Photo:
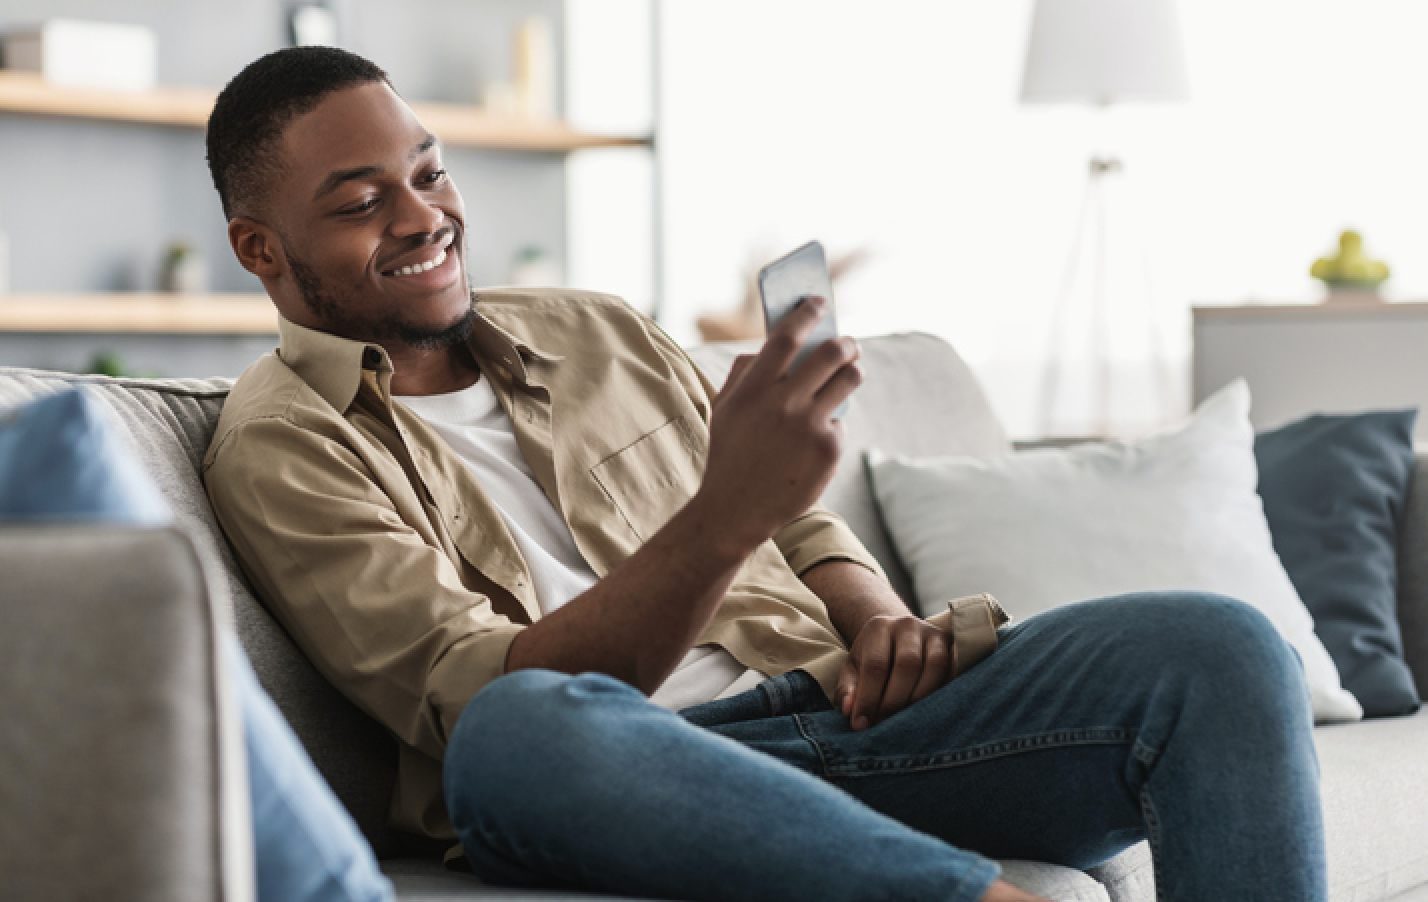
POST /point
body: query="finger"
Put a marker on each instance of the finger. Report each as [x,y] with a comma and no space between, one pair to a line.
[936,667]
[873,667]
[906,671]
[736,372]
[847,685]
[787,338]
[836,390]
[815,372]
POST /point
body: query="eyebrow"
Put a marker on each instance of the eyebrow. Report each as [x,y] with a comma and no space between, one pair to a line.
[339,177]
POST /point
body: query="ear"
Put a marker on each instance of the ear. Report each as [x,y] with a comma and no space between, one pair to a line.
[257,247]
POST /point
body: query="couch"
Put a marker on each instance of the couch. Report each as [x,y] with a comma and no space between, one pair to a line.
[129,614]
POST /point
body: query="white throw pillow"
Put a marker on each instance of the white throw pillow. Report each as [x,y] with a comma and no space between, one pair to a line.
[1044,528]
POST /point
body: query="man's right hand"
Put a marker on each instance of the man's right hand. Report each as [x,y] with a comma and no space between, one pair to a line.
[773,444]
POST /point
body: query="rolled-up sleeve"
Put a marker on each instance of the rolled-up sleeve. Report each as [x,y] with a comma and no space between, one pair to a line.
[381,612]
[821,535]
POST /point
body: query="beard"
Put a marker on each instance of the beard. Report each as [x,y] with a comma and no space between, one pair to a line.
[335,314]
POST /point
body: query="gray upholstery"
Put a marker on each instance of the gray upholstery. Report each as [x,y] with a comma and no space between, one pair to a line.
[918,398]
[1375,780]
[109,690]
[1413,575]
[426,880]
[171,422]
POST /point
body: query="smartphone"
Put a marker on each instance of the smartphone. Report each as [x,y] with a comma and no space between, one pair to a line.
[788,280]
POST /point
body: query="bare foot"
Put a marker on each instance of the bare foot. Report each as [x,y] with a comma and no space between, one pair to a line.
[1002,891]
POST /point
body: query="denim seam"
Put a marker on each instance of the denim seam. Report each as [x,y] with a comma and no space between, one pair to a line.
[877,767]
[1147,756]
[824,753]
[1152,834]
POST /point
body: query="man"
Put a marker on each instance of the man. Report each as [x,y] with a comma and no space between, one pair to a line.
[621,646]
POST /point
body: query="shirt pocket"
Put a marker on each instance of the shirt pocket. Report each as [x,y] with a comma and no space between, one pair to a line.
[653,477]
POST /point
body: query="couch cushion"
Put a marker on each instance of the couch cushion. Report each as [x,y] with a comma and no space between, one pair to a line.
[1375,789]
[64,460]
[917,398]
[170,422]
[1333,490]
[1039,529]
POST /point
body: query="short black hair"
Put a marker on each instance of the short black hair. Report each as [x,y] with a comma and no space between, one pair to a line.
[255,107]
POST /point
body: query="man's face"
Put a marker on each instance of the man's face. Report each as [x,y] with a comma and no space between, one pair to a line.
[370,224]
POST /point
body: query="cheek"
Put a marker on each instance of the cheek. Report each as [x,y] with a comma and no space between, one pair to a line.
[347,256]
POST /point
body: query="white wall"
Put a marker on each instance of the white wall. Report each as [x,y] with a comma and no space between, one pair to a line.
[895,125]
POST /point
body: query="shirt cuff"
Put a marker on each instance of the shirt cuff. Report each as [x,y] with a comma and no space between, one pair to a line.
[466,668]
[821,535]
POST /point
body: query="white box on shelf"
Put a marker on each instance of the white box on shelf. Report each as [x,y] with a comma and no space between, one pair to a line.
[78,54]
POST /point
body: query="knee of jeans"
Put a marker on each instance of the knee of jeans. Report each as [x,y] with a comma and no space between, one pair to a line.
[515,741]
[1224,638]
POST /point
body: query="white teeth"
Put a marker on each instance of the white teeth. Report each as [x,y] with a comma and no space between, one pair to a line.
[415,268]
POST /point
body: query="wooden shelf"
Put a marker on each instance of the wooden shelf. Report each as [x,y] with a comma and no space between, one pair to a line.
[155,314]
[454,124]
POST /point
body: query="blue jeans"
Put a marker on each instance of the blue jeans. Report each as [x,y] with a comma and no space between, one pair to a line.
[1181,718]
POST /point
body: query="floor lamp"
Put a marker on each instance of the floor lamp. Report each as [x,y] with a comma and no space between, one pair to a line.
[1098,53]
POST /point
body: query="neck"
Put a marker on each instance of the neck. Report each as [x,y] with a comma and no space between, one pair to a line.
[418,372]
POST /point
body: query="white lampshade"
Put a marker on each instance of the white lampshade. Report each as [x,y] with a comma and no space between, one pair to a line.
[1104,51]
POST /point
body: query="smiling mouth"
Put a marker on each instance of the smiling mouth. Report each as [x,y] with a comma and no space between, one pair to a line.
[414,268]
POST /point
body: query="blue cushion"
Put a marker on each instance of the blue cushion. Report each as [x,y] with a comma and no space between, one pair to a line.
[64,459]
[1333,490]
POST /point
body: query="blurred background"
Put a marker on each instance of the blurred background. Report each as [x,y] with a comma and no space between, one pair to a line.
[666,150]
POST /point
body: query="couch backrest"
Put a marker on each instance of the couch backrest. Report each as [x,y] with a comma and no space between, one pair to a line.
[1413,575]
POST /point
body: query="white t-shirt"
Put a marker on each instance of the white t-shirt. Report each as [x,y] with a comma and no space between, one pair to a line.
[478,429]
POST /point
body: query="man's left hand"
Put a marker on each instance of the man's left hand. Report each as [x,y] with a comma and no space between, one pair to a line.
[894,662]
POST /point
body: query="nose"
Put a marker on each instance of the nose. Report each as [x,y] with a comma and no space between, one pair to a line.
[416,214]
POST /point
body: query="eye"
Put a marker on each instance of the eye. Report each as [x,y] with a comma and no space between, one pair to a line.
[362,207]
[434,177]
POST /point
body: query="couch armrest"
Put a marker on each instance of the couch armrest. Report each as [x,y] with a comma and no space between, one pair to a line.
[122,772]
[1413,574]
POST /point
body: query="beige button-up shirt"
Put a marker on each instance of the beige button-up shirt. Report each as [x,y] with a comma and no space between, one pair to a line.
[368,537]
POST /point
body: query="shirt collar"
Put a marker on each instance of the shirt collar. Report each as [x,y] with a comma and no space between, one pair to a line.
[505,348]
[333,365]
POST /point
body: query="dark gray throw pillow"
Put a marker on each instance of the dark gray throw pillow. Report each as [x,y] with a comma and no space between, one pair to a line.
[1333,489]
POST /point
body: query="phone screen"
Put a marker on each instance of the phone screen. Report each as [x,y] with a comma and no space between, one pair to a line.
[788,280]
